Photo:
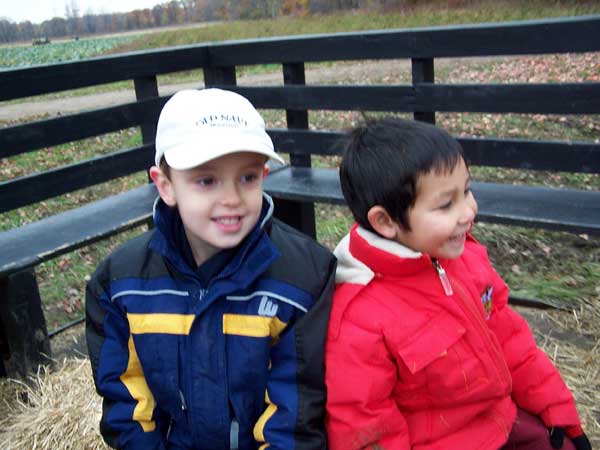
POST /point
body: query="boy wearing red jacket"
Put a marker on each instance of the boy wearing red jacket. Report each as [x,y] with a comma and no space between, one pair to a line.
[423,351]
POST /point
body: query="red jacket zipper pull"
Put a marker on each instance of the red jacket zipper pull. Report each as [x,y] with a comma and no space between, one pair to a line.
[443,278]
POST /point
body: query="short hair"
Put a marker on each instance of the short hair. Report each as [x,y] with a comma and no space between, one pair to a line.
[383,159]
[164,166]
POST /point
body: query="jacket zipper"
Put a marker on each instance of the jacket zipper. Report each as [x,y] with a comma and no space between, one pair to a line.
[443,277]
[234,435]
[197,299]
[484,331]
[182,380]
[183,404]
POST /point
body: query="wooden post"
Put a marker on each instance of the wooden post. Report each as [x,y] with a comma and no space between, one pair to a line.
[25,342]
[423,72]
[4,348]
[147,87]
[214,76]
[300,215]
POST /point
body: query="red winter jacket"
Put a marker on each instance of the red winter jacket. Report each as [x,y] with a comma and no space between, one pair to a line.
[411,364]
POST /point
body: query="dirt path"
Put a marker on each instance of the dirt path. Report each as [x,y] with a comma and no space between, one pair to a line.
[363,72]
[356,71]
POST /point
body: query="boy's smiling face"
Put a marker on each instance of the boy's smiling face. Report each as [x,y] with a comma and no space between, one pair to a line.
[442,214]
[219,202]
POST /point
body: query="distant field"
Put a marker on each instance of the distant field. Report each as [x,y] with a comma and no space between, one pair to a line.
[433,14]
[54,52]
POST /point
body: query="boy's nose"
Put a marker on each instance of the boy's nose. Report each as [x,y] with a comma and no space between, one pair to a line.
[231,196]
[469,210]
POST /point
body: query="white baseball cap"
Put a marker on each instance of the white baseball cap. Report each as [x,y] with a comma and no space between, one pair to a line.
[196,126]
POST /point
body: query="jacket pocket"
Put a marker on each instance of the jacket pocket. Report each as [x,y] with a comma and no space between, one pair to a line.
[428,343]
[437,365]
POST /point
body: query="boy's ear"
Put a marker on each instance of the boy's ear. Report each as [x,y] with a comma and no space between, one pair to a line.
[382,223]
[163,185]
[266,170]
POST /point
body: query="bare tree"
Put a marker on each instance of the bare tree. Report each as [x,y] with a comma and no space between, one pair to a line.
[8,30]
[72,16]
[157,14]
[89,23]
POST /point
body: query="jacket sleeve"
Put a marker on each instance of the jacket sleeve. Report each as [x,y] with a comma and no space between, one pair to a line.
[360,378]
[295,395]
[538,387]
[129,417]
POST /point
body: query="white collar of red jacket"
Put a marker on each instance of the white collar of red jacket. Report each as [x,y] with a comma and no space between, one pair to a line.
[362,255]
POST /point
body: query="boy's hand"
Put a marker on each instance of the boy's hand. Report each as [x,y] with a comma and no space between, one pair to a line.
[557,438]
[582,442]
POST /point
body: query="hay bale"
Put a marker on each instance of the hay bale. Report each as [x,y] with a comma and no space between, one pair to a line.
[58,410]
[572,341]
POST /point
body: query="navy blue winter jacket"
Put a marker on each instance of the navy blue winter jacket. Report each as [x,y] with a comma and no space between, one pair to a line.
[228,355]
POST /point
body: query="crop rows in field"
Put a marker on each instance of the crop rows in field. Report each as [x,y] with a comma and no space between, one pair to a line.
[54,52]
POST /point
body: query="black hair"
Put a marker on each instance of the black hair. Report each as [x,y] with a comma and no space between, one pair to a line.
[383,159]
[164,166]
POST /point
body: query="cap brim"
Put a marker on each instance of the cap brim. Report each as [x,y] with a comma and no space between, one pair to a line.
[186,156]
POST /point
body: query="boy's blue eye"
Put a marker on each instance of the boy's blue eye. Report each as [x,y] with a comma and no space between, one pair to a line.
[206,181]
[249,178]
[446,205]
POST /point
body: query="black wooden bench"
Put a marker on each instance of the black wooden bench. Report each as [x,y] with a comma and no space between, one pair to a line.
[571,210]
[24,341]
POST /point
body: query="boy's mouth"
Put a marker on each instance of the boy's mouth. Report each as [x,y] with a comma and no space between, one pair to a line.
[228,220]
[457,238]
[229,224]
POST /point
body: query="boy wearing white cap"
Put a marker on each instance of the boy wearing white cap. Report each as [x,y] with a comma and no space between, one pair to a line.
[208,331]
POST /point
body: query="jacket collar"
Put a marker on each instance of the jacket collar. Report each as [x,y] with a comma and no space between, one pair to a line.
[363,255]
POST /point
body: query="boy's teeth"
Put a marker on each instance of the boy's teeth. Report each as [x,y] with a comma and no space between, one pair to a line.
[229,220]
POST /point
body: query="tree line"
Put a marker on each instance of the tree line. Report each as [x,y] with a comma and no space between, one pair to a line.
[175,12]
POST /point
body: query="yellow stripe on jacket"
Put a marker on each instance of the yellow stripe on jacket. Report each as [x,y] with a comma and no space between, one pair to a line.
[160,323]
[133,377]
[259,428]
[134,381]
[252,326]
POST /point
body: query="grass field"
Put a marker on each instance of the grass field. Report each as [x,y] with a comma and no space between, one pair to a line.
[430,13]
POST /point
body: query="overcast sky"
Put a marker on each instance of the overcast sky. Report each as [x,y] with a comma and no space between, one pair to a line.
[39,10]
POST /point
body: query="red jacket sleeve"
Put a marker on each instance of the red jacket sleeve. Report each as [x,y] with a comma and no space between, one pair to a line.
[538,387]
[360,377]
